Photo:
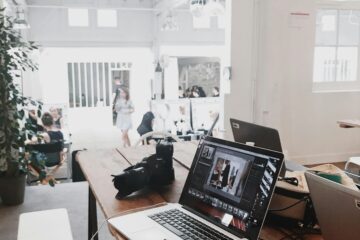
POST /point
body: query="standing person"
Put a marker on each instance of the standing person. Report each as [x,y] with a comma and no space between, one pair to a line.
[201,92]
[181,92]
[114,113]
[124,108]
[216,92]
[225,174]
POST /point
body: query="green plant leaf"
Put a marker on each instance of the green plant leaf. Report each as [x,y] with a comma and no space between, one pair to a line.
[51,182]
[10,96]
[21,113]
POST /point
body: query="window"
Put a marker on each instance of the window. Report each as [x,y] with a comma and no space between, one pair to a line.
[221,21]
[336,54]
[78,17]
[106,18]
[93,84]
[201,22]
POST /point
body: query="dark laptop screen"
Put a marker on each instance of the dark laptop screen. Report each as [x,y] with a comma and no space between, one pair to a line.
[231,185]
[261,136]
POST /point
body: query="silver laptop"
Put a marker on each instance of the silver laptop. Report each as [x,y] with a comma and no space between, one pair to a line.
[337,208]
[226,196]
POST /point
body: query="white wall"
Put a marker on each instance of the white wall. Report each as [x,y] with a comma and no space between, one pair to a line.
[49,27]
[239,102]
[187,35]
[284,97]
[307,120]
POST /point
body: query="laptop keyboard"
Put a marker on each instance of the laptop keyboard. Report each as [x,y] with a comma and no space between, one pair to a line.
[186,227]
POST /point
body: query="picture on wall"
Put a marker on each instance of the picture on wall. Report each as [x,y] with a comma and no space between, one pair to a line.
[199,77]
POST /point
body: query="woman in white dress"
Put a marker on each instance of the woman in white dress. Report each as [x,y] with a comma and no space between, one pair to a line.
[124,108]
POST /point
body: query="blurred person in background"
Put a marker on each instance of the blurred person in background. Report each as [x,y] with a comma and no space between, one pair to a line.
[57,118]
[124,108]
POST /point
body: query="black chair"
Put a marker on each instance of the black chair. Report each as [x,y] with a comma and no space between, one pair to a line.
[55,154]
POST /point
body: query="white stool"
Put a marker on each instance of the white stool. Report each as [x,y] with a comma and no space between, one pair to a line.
[352,169]
[44,225]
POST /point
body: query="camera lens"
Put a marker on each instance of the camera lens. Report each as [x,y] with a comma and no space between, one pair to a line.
[131,181]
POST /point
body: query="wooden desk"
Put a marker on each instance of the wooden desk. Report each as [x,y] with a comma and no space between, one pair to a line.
[349,123]
[99,165]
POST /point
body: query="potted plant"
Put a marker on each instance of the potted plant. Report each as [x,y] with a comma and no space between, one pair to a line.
[14,55]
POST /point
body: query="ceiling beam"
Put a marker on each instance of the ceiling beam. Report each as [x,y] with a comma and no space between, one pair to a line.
[166,5]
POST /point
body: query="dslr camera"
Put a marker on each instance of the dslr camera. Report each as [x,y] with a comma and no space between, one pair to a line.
[154,171]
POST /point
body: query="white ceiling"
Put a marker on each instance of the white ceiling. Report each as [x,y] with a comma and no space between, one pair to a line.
[159,6]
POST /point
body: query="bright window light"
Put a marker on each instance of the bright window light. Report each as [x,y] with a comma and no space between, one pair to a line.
[221,21]
[201,22]
[337,43]
[328,23]
[78,17]
[106,18]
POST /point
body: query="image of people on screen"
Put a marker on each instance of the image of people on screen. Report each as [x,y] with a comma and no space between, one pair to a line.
[228,174]
[207,152]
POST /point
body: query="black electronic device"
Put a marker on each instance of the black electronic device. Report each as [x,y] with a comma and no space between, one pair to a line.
[232,179]
[260,136]
[153,171]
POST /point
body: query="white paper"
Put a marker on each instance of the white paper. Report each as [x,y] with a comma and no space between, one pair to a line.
[226,220]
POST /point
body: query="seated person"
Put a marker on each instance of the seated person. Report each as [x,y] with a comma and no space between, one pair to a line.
[146,125]
[35,122]
[52,133]
[58,120]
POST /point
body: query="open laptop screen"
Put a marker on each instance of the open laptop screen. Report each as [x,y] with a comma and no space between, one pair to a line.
[261,136]
[231,185]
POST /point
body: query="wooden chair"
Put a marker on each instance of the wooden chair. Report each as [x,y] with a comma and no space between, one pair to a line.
[55,154]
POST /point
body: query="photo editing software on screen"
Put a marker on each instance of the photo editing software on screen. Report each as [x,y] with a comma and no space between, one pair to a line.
[232,186]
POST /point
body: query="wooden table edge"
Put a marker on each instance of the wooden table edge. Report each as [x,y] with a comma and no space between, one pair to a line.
[114,232]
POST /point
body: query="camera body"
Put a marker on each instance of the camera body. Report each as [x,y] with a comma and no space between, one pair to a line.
[154,171]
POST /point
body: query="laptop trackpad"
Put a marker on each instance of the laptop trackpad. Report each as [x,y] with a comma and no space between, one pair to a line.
[151,234]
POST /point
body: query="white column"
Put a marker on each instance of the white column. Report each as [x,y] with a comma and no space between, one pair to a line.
[240,43]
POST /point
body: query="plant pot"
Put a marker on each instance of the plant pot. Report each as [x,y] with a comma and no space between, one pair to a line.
[12,190]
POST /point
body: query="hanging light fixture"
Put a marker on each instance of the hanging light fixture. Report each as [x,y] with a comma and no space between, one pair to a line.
[158,86]
[197,7]
[214,8]
[20,21]
[170,23]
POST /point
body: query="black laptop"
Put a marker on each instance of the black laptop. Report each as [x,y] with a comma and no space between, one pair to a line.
[260,136]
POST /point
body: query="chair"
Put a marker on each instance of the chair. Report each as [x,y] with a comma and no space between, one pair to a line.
[55,154]
[156,136]
[43,225]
